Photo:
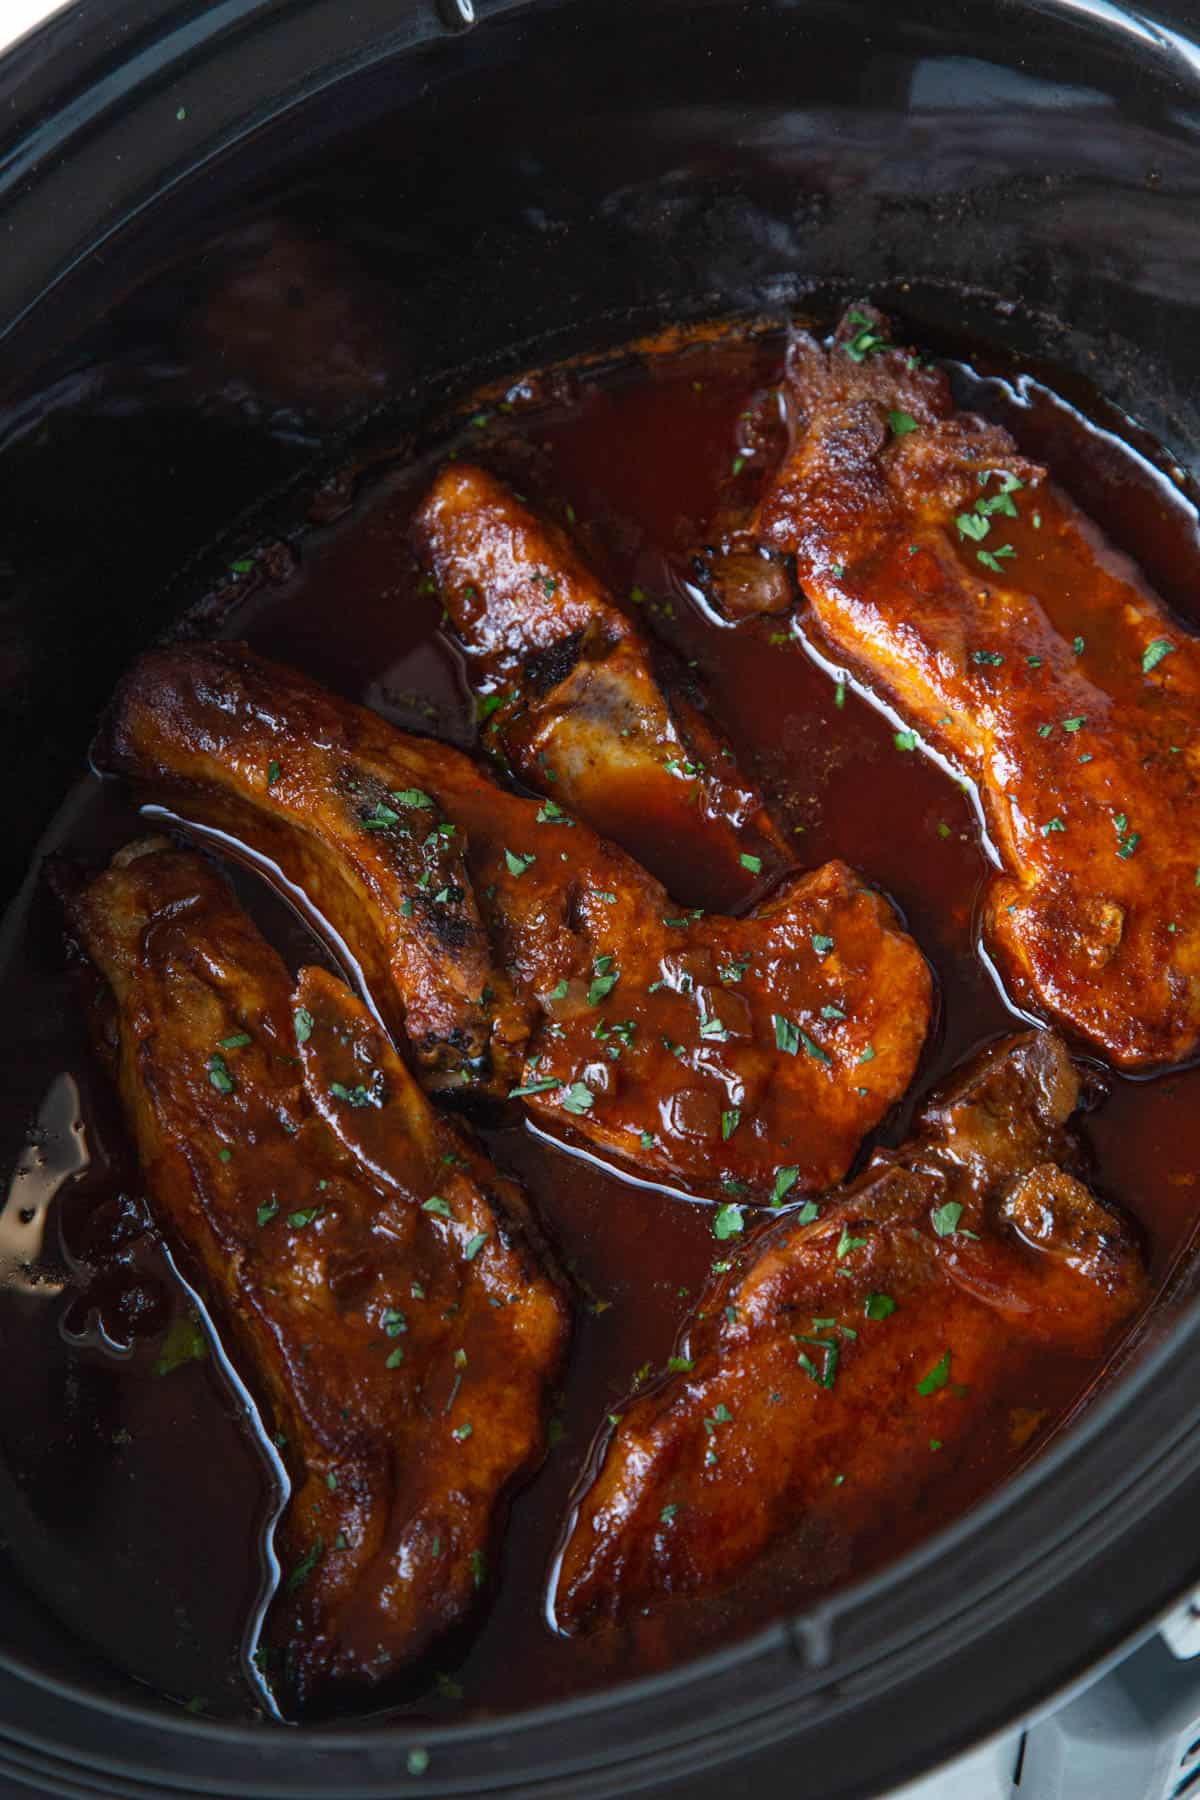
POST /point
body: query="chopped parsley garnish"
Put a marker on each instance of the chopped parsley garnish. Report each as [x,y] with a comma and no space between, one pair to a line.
[475,1246]
[267,1211]
[272,774]
[868,1054]
[303,1021]
[730,1121]
[679,1365]
[1052,825]
[435,1204]
[478,1567]
[822,944]
[518,862]
[306,1215]
[578,1098]
[1074,724]
[306,1565]
[846,1244]
[534,1087]
[945,1218]
[355,1096]
[865,340]
[603,985]
[992,658]
[218,1074]
[785,1181]
[787,1035]
[753,863]
[815,1051]
[380,818]
[238,1041]
[937,1377]
[1078,646]
[832,1012]
[879,1306]
[727,1222]
[411,797]
[906,740]
[901,423]
[551,813]
[808,1212]
[394,1358]
[394,1322]
[668,1513]
[991,559]
[462,1432]
[1155,652]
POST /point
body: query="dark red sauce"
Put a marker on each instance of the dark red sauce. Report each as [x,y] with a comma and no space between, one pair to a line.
[137,1495]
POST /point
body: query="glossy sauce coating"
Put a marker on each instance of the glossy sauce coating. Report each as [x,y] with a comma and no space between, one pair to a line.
[841,1355]
[145,1495]
[747,1055]
[1016,641]
[370,1265]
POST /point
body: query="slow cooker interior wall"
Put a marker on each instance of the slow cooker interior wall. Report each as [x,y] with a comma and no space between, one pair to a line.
[553,179]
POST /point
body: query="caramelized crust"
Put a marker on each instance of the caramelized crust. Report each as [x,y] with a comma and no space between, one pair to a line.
[955,576]
[578,707]
[371,1265]
[748,1056]
[842,1367]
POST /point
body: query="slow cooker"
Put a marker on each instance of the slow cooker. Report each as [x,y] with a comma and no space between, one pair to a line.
[240,234]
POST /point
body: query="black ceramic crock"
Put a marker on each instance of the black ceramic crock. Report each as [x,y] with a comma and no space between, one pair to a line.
[497,181]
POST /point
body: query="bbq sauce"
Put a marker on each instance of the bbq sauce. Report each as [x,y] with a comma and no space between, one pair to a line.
[138,1476]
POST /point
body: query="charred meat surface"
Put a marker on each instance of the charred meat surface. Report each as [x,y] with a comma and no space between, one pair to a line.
[746,1056]
[572,696]
[841,1367]
[957,577]
[373,1268]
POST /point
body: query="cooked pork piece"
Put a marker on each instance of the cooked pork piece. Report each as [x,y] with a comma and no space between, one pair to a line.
[747,1055]
[373,1270]
[844,1367]
[578,708]
[953,575]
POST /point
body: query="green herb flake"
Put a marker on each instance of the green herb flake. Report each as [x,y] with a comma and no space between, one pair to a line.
[238,1041]
[1155,652]
[787,1035]
[306,1565]
[534,1087]
[901,423]
[945,1218]
[668,1513]
[822,944]
[303,1020]
[785,1181]
[267,1211]
[394,1358]
[846,1244]
[218,1074]
[578,1098]
[518,862]
[728,1222]
[272,774]
[1052,825]
[435,1204]
[185,1342]
[753,863]
[417,1761]
[879,1306]
[475,1246]
[992,658]
[729,1122]
[937,1377]
[462,1432]
[1075,724]
[679,1365]
[906,740]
